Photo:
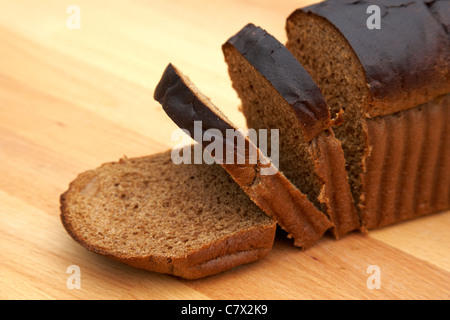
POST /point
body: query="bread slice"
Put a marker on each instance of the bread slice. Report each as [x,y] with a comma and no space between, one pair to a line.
[190,221]
[277,92]
[273,193]
[375,76]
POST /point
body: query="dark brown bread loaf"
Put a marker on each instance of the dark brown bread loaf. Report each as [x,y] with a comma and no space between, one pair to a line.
[381,78]
[393,86]
[186,220]
[276,92]
[273,193]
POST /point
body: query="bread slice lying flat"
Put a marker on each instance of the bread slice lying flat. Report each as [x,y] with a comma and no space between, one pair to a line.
[273,193]
[277,92]
[186,220]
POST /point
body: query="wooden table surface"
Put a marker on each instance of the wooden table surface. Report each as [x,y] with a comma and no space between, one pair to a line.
[71,99]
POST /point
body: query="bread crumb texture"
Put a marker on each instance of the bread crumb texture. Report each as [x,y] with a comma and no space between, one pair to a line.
[150,206]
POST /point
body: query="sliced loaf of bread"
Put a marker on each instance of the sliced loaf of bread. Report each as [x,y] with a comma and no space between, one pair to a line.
[273,193]
[277,92]
[393,84]
[190,221]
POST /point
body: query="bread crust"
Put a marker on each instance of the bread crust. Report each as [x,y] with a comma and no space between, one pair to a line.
[408,170]
[336,195]
[274,194]
[413,45]
[239,248]
[275,63]
[282,201]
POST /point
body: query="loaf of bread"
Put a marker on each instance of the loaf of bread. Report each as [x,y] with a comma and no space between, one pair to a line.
[393,85]
[276,92]
[364,120]
[273,193]
[190,221]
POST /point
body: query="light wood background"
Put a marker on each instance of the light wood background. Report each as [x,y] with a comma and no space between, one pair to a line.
[73,99]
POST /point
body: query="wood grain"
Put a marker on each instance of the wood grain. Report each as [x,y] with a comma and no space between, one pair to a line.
[73,99]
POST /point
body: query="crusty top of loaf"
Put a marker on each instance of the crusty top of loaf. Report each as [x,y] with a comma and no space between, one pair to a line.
[407,61]
[188,107]
[283,71]
[185,104]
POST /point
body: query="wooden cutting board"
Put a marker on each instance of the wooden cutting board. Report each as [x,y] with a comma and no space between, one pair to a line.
[71,99]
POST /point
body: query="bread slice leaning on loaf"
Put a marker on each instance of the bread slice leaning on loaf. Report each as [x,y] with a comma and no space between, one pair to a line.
[393,84]
[190,221]
[273,193]
[277,92]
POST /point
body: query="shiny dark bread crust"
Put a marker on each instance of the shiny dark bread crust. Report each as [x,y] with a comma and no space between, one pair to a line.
[280,68]
[183,106]
[407,61]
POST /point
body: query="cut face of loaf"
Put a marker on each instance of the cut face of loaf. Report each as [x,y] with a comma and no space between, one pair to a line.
[273,193]
[186,220]
[375,76]
[276,92]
